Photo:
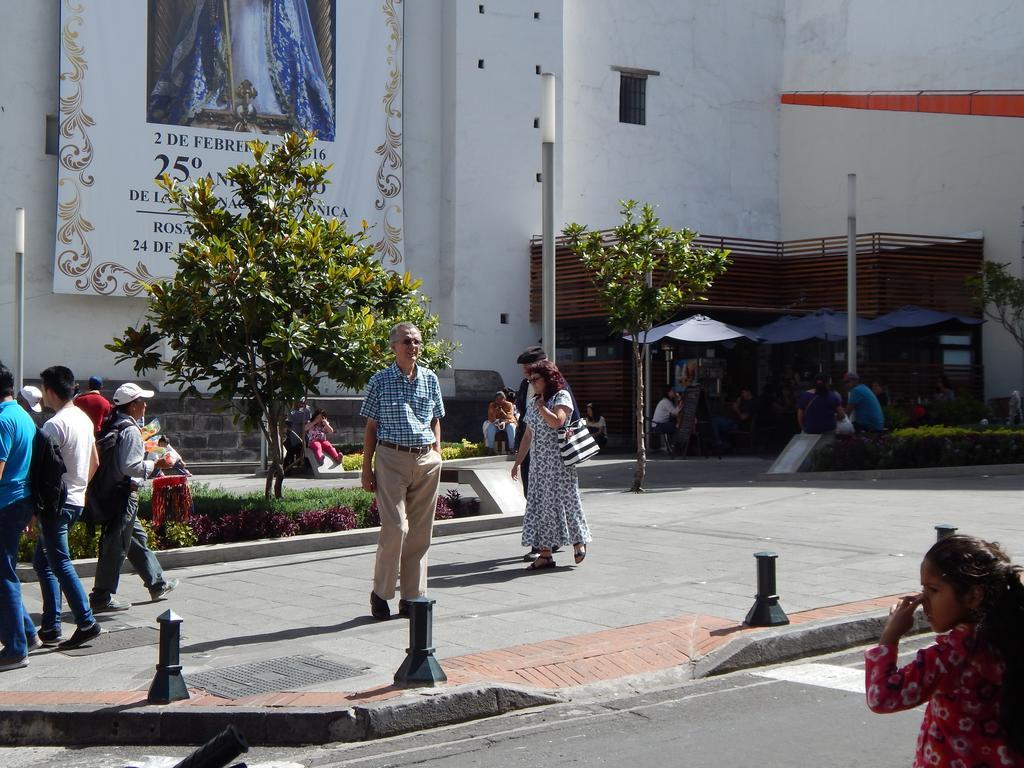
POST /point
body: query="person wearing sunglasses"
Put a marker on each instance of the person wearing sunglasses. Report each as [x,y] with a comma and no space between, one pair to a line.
[554,511]
[403,410]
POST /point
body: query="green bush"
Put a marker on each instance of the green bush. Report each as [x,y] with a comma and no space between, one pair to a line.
[936,446]
[962,410]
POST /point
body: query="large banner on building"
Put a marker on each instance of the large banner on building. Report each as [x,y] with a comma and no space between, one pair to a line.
[149,87]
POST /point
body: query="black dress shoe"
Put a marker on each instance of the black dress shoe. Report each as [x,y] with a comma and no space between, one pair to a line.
[379,607]
[403,608]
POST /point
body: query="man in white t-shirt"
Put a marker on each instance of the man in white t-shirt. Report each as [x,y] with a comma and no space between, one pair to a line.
[665,413]
[73,432]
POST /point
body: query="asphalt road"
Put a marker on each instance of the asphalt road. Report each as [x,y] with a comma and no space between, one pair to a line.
[805,713]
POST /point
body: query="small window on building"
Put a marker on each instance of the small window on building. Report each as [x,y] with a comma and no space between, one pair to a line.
[633,99]
[503,318]
[52,139]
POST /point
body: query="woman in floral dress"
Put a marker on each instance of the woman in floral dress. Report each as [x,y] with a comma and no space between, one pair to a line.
[554,513]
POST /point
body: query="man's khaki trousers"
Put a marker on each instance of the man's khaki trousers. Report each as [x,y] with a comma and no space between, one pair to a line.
[407,499]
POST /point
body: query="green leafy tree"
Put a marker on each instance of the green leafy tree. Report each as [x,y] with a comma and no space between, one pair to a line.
[644,273]
[1000,296]
[269,298]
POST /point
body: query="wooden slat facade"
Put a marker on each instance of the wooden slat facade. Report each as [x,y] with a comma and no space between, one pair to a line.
[800,276]
[769,279]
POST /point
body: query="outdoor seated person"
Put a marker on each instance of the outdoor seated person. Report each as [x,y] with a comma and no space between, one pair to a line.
[739,418]
[665,413]
[501,417]
[317,431]
[819,408]
[597,426]
[943,391]
[862,405]
[880,392]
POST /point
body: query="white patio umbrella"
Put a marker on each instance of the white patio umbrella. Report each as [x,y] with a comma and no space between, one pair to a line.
[698,328]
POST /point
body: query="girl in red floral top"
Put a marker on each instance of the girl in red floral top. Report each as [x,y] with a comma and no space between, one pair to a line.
[973,677]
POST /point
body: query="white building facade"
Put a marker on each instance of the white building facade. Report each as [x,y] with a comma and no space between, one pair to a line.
[719,150]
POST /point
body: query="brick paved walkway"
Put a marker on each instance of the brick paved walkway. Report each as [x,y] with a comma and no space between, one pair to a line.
[564,663]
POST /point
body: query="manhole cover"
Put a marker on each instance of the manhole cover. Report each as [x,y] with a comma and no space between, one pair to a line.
[116,640]
[272,676]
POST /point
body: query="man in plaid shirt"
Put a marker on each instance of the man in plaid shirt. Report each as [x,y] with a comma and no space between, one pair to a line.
[403,411]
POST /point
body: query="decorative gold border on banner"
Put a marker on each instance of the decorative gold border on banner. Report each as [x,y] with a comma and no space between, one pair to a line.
[76,155]
[389,179]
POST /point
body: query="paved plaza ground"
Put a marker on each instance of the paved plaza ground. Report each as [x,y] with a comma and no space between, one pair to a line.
[670,569]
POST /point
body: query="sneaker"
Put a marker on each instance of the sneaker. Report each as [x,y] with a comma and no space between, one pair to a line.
[35,643]
[379,607]
[81,636]
[158,592]
[113,604]
[13,662]
[50,636]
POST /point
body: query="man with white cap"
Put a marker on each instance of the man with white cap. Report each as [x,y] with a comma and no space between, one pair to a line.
[123,535]
[29,398]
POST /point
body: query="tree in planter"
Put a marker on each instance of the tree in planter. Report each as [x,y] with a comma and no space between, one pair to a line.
[644,273]
[1000,296]
[269,298]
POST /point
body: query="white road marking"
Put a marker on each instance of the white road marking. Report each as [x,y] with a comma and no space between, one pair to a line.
[823,675]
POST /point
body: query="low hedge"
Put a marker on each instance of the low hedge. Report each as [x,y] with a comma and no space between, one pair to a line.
[352,455]
[221,517]
[922,447]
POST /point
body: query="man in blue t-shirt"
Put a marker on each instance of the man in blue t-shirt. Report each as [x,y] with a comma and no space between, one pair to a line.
[17,431]
[862,405]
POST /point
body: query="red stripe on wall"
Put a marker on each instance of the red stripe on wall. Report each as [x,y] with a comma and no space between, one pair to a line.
[986,103]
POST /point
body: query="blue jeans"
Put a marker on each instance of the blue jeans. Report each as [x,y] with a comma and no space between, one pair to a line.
[16,625]
[124,537]
[52,563]
[492,431]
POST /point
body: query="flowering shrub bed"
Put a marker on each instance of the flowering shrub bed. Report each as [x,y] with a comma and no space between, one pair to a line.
[353,455]
[922,447]
[220,518]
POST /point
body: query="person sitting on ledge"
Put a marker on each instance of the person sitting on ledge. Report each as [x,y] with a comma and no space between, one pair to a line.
[501,417]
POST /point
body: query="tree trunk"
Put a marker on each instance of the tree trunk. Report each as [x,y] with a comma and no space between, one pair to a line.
[640,473]
[275,467]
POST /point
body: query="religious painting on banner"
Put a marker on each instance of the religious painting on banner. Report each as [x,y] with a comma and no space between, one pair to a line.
[150,87]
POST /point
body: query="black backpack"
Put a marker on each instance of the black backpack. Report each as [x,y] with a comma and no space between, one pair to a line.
[109,488]
[46,473]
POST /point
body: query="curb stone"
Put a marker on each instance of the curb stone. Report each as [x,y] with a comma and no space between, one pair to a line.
[212,554]
[910,473]
[266,726]
[780,644]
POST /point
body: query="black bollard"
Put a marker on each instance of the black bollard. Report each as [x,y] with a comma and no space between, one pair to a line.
[218,751]
[766,611]
[168,684]
[943,530]
[420,668]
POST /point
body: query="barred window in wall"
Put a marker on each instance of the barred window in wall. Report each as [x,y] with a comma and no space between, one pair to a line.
[633,99]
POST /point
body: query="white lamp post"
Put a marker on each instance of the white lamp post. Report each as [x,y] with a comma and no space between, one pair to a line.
[19,298]
[851,272]
[547,134]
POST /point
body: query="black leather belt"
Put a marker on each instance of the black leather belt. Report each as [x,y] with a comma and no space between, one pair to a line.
[419,450]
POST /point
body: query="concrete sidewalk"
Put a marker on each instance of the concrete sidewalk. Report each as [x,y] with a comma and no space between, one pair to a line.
[666,583]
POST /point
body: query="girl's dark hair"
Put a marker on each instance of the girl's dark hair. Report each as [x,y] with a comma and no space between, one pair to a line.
[820,385]
[553,379]
[317,412]
[595,410]
[965,562]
